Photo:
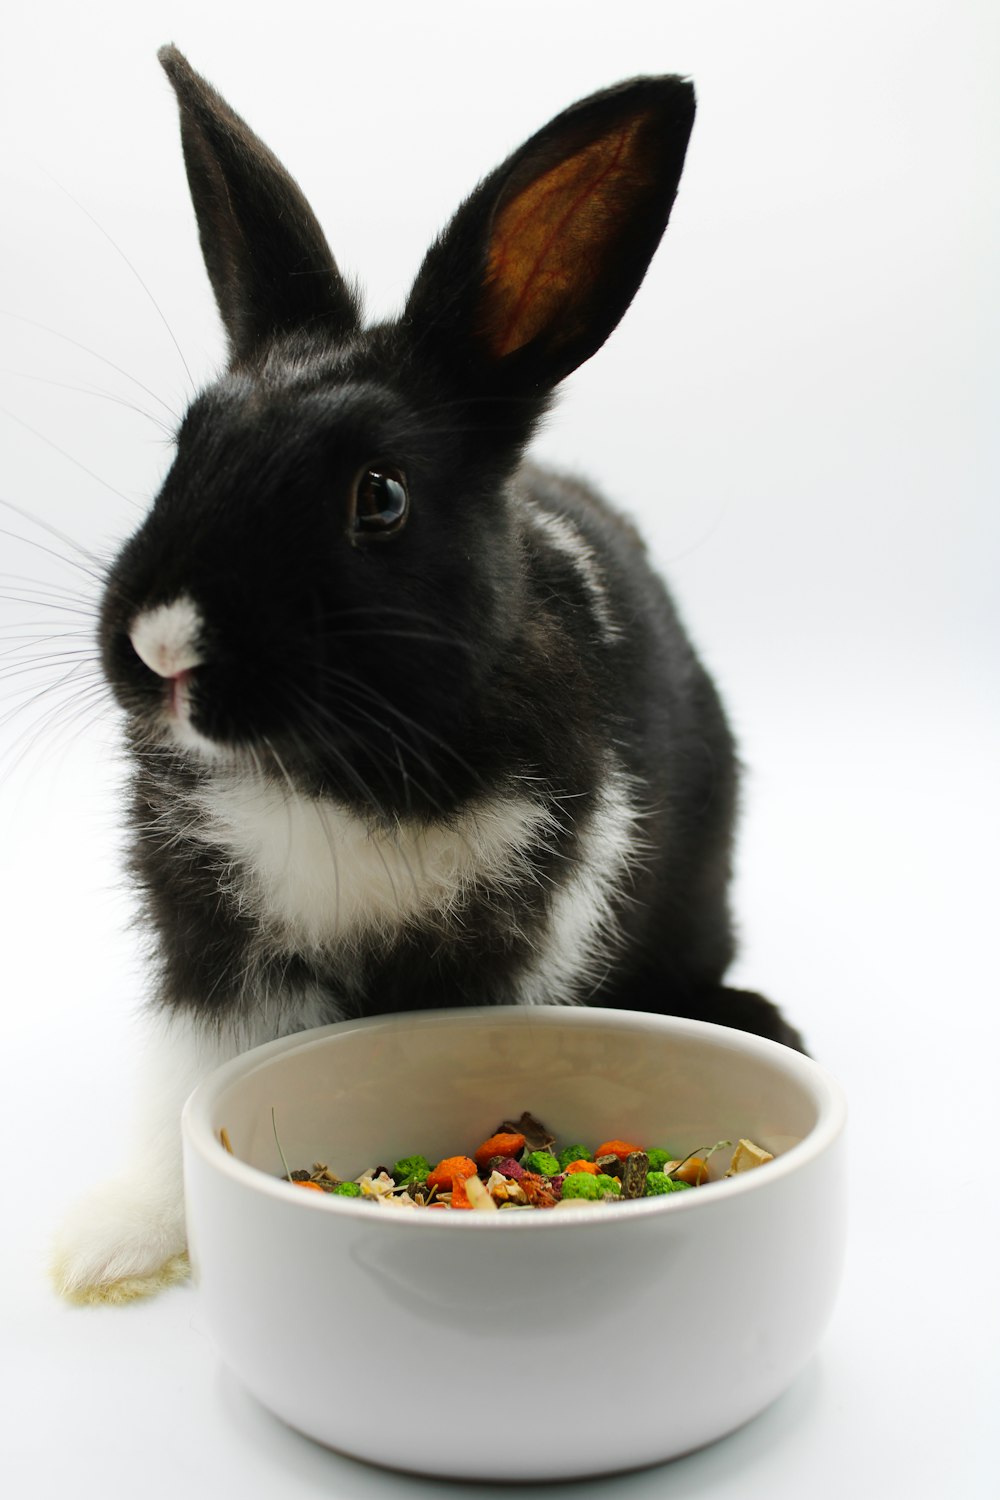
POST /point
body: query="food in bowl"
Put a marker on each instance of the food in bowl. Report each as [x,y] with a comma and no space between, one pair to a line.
[521,1166]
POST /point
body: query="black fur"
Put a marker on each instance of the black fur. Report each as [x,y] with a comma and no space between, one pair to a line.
[462,656]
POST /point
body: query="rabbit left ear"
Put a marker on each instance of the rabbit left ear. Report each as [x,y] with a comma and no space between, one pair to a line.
[267,258]
[540,263]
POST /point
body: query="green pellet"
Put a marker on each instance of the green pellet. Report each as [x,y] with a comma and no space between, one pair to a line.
[541,1161]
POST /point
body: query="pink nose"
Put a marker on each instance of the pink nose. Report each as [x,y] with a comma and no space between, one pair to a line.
[164,638]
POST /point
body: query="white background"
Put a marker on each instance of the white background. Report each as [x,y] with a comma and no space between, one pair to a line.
[799,408]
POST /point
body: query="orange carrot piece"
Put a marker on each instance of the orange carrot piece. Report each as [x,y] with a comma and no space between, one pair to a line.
[444,1174]
[621,1149]
[459,1197]
[506,1143]
[694,1171]
[314,1185]
[584,1166]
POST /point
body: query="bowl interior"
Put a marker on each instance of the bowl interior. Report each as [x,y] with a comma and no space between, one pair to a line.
[366,1093]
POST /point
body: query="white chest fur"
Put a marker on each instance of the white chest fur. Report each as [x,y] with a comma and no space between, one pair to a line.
[320,878]
[323,876]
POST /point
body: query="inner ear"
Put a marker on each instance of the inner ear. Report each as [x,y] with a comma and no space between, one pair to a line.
[555,239]
[540,262]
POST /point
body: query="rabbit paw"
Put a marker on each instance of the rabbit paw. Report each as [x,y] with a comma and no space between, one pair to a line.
[121,1242]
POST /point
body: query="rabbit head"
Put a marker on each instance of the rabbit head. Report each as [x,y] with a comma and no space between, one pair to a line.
[331,579]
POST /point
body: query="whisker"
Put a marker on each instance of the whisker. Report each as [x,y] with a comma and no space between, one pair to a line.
[68,456]
[353,774]
[21,590]
[403,635]
[86,390]
[56,333]
[30,672]
[51,552]
[328,836]
[86,706]
[319,712]
[119,251]
[390,823]
[383,609]
[56,659]
[434,633]
[340,726]
[30,696]
[405,719]
[61,609]
[96,571]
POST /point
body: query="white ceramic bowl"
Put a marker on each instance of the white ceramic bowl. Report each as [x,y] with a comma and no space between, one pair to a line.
[521,1346]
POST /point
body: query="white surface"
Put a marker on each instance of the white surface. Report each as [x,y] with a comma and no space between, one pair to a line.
[800,407]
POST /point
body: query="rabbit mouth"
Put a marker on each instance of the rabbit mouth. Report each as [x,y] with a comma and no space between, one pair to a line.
[168,717]
[166,639]
[180,725]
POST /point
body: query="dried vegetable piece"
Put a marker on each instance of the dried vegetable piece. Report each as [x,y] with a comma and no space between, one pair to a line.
[478,1198]
[321,1173]
[504,1144]
[411,1169]
[542,1162]
[510,1168]
[376,1184]
[634,1174]
[538,1190]
[397,1200]
[748,1155]
[505,1191]
[450,1167]
[693,1171]
[583,1185]
[659,1182]
[536,1137]
[621,1149]
[658,1158]
[459,1197]
[573,1153]
[539,1179]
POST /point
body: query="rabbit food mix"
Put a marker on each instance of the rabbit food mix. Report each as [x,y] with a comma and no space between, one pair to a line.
[519,1166]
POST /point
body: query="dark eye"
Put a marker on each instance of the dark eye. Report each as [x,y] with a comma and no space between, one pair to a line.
[381,502]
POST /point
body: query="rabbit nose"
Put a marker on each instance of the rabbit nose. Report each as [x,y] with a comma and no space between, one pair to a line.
[166,637]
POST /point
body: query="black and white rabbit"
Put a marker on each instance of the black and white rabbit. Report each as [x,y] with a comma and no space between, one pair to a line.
[413,724]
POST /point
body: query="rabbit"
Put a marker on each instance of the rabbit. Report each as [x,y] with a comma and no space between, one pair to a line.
[412,722]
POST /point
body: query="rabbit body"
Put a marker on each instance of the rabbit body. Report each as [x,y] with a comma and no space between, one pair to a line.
[413,723]
[545,850]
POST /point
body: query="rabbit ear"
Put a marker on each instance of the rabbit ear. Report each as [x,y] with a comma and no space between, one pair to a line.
[540,263]
[268,261]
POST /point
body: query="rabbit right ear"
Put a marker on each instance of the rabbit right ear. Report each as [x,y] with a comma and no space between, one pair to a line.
[267,258]
[539,264]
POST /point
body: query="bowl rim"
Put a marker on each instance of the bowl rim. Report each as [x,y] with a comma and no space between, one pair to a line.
[827,1093]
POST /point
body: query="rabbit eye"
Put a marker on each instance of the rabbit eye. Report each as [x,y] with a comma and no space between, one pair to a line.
[381,502]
